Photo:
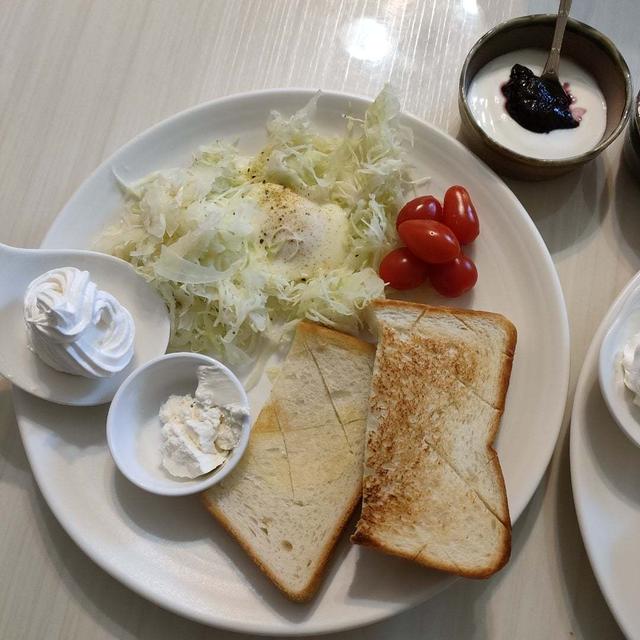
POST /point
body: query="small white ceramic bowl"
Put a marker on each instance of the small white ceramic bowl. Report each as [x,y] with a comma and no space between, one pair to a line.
[133,425]
[624,322]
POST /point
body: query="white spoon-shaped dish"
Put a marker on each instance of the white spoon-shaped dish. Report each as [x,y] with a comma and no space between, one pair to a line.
[134,429]
[625,323]
[23,368]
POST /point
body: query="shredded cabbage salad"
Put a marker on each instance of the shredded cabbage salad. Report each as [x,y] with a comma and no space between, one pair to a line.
[189,231]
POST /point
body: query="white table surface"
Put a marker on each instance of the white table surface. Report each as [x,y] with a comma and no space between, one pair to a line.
[80,77]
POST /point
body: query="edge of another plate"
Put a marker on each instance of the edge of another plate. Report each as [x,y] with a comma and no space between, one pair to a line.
[577,449]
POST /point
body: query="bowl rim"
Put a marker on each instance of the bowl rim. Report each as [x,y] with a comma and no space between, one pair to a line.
[586,31]
[193,485]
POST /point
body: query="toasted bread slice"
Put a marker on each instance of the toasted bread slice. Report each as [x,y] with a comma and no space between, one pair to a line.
[433,488]
[301,477]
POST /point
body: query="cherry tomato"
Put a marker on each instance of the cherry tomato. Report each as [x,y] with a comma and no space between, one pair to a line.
[420,208]
[454,278]
[429,240]
[402,270]
[460,215]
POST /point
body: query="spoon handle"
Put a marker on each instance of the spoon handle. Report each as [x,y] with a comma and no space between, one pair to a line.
[553,61]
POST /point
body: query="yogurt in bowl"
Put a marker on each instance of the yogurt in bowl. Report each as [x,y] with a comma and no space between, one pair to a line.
[597,77]
[487,104]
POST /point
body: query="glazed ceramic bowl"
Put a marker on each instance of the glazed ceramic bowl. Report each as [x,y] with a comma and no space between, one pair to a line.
[632,140]
[583,44]
[133,424]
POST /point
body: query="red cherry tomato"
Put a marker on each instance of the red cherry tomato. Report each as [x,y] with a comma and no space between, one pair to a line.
[454,278]
[402,270]
[420,208]
[460,215]
[429,240]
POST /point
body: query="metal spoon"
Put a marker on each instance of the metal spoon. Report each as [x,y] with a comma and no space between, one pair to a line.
[550,71]
[22,367]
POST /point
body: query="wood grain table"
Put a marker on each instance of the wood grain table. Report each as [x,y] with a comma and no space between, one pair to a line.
[78,78]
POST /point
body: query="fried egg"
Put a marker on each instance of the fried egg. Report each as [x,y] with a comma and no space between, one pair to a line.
[300,238]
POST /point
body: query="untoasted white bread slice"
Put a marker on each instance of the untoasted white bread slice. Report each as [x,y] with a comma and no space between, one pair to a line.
[301,477]
[433,488]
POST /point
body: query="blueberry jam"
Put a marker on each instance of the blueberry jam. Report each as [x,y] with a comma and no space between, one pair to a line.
[536,104]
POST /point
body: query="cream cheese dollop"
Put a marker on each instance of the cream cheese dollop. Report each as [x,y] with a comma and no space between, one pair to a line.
[75,327]
[198,434]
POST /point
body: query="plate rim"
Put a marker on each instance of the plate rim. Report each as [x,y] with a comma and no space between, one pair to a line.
[563,364]
[576,435]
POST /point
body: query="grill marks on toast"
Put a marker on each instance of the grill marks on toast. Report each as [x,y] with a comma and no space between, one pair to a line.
[444,366]
[475,393]
[450,560]
[464,479]
[433,487]
[416,328]
[302,471]
[324,382]
[286,452]
[508,354]
[412,406]
[417,320]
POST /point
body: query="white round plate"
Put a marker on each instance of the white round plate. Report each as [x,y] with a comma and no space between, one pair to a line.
[186,562]
[605,475]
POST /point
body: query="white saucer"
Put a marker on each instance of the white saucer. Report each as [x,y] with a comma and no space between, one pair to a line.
[624,319]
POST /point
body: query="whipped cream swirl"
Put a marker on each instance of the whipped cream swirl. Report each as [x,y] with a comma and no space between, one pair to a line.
[76,328]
